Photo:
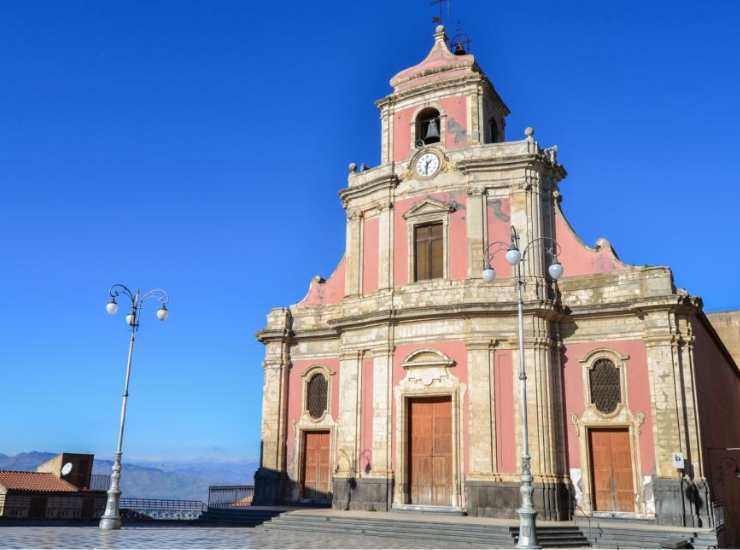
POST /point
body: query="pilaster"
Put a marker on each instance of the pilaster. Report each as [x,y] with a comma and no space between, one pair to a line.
[382,386]
[475,221]
[482,424]
[348,429]
[385,243]
[353,254]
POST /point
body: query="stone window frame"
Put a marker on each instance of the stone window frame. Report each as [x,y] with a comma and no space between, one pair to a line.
[442,126]
[620,363]
[428,377]
[428,211]
[622,417]
[305,379]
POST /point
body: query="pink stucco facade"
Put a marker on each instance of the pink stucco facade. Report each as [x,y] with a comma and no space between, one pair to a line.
[503,391]
[637,386]
[296,402]
[666,387]
[498,213]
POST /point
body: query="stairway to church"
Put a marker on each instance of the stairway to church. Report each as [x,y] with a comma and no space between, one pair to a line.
[565,536]
[476,535]
[616,536]
[237,517]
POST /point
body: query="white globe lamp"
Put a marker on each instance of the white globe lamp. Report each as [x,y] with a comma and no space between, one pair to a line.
[488,274]
[111,307]
[555,270]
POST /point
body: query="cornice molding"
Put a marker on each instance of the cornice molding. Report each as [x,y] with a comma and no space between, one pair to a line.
[380,183]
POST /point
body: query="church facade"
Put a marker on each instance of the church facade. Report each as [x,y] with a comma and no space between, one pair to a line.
[393,383]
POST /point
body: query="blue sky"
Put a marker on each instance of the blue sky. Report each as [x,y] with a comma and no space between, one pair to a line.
[199,147]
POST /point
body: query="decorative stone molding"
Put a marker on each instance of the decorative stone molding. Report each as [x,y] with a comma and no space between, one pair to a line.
[305,378]
[428,375]
[621,417]
[589,362]
[427,358]
[429,210]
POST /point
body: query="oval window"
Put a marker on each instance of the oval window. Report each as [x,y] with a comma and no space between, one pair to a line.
[316,395]
[605,386]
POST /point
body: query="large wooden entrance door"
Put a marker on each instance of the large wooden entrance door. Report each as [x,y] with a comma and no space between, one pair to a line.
[430,451]
[316,478]
[611,470]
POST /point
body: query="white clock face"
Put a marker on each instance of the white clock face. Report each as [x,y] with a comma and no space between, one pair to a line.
[427,165]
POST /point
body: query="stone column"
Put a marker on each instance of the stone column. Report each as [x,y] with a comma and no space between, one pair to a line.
[675,421]
[353,254]
[349,419]
[386,133]
[482,434]
[382,376]
[348,430]
[374,491]
[475,221]
[544,419]
[271,476]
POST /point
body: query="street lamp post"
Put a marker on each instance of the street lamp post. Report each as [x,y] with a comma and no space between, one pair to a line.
[514,257]
[112,517]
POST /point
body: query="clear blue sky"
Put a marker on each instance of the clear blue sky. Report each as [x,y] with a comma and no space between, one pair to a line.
[199,146]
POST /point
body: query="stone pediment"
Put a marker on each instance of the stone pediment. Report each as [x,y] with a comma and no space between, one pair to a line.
[429,206]
[427,358]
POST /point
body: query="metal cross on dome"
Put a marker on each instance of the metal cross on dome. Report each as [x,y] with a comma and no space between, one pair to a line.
[441,4]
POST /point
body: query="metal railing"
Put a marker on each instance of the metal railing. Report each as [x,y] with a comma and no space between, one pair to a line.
[158,508]
[99,482]
[230,496]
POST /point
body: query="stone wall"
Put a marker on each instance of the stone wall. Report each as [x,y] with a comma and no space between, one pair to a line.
[727,326]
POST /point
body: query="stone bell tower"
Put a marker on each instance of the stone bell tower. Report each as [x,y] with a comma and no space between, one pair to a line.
[458,105]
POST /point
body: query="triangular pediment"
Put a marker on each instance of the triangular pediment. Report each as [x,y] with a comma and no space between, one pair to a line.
[429,206]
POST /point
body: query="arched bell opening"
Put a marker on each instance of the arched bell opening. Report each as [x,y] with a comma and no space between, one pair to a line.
[428,129]
[493,131]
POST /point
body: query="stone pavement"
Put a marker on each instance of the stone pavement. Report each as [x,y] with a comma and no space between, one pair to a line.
[193,537]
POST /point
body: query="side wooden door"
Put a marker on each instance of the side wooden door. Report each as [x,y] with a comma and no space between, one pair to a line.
[316,475]
[611,470]
[430,451]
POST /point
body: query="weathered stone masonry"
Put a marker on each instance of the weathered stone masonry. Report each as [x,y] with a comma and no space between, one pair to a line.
[383,339]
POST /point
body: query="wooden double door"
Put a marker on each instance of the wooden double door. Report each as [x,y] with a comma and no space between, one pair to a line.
[316,470]
[611,470]
[430,451]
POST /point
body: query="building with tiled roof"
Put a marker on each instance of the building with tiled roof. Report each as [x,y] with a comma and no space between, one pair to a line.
[11,480]
[59,489]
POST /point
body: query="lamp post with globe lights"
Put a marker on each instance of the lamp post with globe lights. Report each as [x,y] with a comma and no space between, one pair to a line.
[111,518]
[515,257]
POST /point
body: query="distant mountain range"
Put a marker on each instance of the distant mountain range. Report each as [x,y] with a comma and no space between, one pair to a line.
[186,480]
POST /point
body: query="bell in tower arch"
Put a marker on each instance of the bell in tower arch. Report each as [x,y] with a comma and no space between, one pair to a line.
[432,133]
[427,127]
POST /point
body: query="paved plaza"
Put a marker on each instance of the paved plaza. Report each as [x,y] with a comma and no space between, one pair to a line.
[195,537]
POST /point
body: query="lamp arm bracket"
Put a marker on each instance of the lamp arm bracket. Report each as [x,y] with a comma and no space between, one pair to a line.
[553,249]
[158,293]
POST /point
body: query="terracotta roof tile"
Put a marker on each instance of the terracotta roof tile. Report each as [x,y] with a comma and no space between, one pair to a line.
[34,481]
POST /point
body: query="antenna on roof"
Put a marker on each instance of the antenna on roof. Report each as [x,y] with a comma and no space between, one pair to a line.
[460,42]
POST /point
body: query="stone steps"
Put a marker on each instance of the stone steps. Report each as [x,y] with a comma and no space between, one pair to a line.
[624,537]
[566,536]
[476,535]
[245,517]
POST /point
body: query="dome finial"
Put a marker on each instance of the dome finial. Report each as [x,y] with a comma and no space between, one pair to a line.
[439,34]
